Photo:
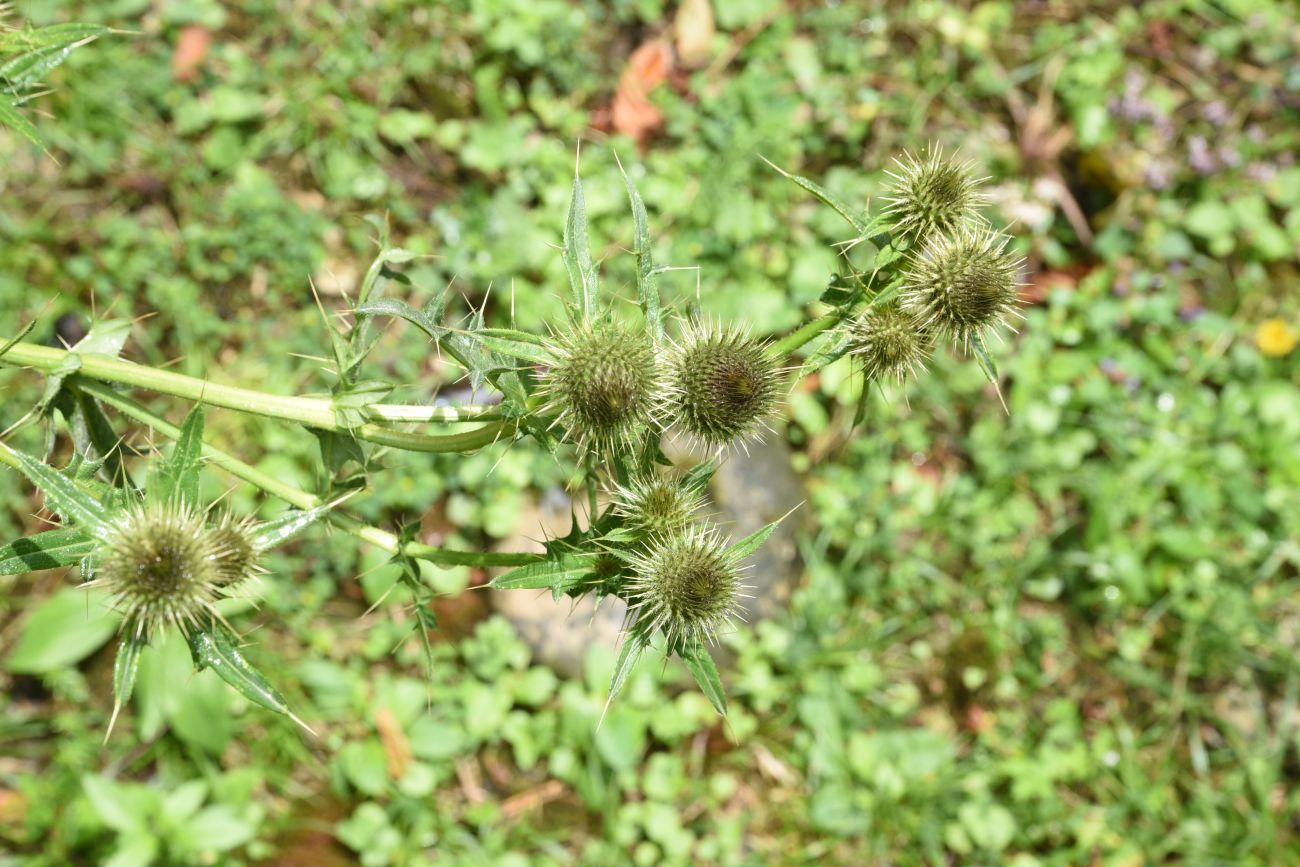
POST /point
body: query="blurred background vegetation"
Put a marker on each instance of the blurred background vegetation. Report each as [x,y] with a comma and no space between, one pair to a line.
[1063,635]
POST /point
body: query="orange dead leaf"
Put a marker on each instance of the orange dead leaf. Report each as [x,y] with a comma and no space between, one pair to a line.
[397,749]
[191,50]
[633,114]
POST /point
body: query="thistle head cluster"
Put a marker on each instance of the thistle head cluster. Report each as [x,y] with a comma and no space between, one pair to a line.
[656,505]
[164,566]
[724,385]
[686,585]
[606,384]
[932,194]
[888,341]
[962,283]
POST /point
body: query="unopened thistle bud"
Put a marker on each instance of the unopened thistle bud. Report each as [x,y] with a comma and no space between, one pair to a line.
[725,385]
[932,193]
[888,341]
[963,283]
[234,556]
[605,385]
[685,585]
[161,566]
[656,505]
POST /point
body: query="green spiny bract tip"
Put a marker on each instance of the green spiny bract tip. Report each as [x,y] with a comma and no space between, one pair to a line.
[963,284]
[605,386]
[932,193]
[685,585]
[888,341]
[725,384]
[656,505]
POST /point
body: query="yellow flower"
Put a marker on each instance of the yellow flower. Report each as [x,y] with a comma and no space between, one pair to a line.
[1275,338]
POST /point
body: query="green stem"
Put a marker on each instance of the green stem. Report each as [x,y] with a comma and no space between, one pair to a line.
[313,412]
[796,339]
[301,499]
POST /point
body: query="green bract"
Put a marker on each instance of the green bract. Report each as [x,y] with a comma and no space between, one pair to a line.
[685,585]
[605,385]
[724,384]
[888,341]
[932,193]
[963,284]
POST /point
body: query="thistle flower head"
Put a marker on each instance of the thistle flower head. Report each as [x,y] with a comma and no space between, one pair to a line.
[655,504]
[725,384]
[162,567]
[964,283]
[932,193]
[686,585]
[605,385]
[888,341]
[234,555]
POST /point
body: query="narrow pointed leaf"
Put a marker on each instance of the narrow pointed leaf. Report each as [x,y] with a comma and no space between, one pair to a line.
[41,37]
[751,543]
[855,218]
[647,283]
[125,666]
[549,574]
[515,344]
[10,117]
[278,530]
[177,476]
[215,647]
[697,478]
[702,668]
[577,254]
[51,549]
[62,494]
[633,645]
[985,360]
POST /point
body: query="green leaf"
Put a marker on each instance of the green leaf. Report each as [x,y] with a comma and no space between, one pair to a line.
[647,284]
[430,325]
[113,803]
[702,668]
[177,477]
[515,344]
[292,522]
[104,338]
[28,39]
[125,667]
[577,254]
[215,647]
[425,620]
[697,478]
[985,360]
[634,643]
[10,117]
[856,220]
[554,573]
[48,550]
[62,631]
[753,541]
[62,494]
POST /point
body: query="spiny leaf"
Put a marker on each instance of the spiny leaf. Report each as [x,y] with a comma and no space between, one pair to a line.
[855,219]
[177,477]
[702,668]
[577,254]
[697,478]
[986,364]
[48,550]
[515,344]
[754,540]
[552,573]
[62,495]
[647,284]
[28,39]
[633,645]
[125,666]
[280,529]
[216,647]
[10,117]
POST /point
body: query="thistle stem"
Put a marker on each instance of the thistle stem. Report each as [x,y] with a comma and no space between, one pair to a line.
[313,412]
[299,498]
[809,330]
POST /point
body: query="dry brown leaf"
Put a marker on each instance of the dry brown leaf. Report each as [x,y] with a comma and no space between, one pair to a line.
[633,113]
[192,45]
[397,749]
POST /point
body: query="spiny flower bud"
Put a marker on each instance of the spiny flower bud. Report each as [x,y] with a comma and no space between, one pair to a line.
[932,194]
[234,555]
[888,341]
[686,585]
[656,504]
[963,283]
[605,384]
[161,566]
[725,385]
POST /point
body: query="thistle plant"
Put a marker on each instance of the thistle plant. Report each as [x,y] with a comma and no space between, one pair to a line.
[600,393]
